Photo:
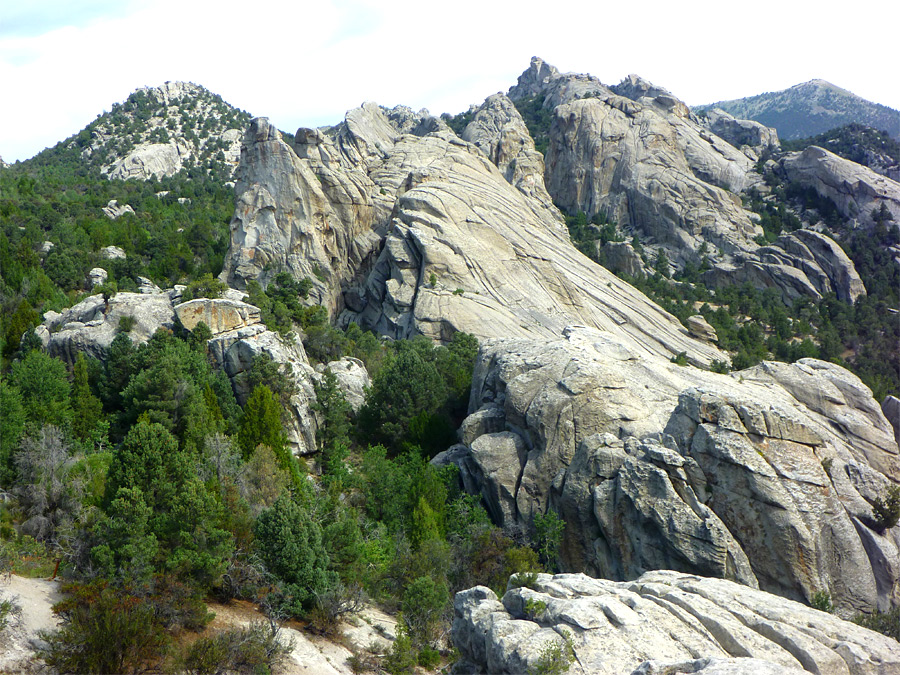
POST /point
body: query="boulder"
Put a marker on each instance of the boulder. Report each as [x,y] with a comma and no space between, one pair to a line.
[115,210]
[766,476]
[741,132]
[219,315]
[97,277]
[353,379]
[699,327]
[662,623]
[856,190]
[112,252]
[46,247]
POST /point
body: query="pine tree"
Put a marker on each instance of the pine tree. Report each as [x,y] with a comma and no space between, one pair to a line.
[87,409]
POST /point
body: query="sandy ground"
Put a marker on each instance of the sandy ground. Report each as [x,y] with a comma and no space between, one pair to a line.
[311,655]
[35,597]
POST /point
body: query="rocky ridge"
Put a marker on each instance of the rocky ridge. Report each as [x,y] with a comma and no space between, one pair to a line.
[637,155]
[661,623]
[408,229]
[857,191]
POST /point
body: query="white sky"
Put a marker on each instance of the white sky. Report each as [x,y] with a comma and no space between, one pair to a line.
[302,63]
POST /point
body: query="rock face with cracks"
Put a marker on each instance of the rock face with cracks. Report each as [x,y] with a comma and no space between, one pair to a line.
[660,623]
[765,477]
[410,230]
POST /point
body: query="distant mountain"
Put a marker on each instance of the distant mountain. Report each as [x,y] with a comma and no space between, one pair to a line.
[158,131]
[809,109]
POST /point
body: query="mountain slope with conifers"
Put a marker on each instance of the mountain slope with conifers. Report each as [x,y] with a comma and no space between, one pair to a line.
[809,109]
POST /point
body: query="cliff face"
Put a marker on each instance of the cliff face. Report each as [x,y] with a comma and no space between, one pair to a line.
[765,477]
[407,229]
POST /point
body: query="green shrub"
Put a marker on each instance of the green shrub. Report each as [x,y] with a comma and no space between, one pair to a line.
[126,324]
[821,600]
[401,660]
[556,657]
[245,651]
[429,658]
[887,509]
[104,630]
[887,623]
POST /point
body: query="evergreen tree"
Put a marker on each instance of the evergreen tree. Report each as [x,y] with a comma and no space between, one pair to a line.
[87,409]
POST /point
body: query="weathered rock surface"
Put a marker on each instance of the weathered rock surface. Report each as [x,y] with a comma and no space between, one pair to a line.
[151,160]
[662,623]
[112,252]
[802,263]
[647,165]
[219,315]
[546,82]
[764,476]
[891,409]
[402,186]
[234,352]
[97,277]
[353,379]
[856,190]
[91,325]
[115,210]
[499,131]
[314,224]
[699,327]
[238,337]
[741,132]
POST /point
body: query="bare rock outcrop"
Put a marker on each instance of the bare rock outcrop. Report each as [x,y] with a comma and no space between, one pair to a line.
[741,132]
[802,263]
[856,190]
[91,325]
[151,160]
[765,477]
[353,379]
[234,351]
[499,131]
[220,315]
[662,623]
[650,167]
[412,231]
[115,210]
[289,217]
[238,338]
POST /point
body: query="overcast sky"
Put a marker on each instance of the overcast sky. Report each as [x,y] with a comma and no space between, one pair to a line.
[62,62]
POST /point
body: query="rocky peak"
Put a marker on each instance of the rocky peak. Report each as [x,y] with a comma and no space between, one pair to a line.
[542,79]
[534,80]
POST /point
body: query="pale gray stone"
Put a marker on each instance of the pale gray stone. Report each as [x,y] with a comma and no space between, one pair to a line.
[662,623]
[653,465]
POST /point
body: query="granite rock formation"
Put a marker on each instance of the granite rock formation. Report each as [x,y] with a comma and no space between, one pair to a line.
[766,477]
[663,623]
